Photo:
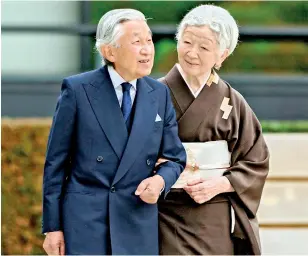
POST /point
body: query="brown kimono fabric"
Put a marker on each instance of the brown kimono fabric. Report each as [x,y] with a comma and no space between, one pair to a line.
[189,228]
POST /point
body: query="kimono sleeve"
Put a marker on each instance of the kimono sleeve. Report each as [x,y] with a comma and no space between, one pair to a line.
[249,159]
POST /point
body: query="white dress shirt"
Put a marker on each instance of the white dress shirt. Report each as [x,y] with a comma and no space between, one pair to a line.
[195,94]
[117,80]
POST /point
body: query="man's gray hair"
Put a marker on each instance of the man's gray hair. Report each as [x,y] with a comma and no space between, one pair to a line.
[109,29]
[219,21]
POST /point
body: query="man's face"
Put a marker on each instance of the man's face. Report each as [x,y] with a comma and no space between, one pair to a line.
[135,55]
[197,50]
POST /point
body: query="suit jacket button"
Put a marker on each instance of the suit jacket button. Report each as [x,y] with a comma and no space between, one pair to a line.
[99,159]
[149,162]
[112,189]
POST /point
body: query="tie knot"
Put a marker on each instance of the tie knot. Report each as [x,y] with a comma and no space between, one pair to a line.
[126,86]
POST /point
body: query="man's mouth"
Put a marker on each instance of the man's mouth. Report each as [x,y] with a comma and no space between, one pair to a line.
[144,61]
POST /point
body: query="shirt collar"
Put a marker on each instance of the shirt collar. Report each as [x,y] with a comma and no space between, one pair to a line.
[117,80]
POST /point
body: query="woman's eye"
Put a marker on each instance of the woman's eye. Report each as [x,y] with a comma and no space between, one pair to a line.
[187,42]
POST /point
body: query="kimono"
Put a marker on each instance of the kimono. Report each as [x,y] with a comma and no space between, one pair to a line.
[219,112]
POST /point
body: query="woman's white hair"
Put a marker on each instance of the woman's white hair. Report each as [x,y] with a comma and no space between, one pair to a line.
[109,30]
[219,21]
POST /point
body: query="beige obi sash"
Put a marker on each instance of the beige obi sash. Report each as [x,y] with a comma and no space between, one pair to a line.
[213,158]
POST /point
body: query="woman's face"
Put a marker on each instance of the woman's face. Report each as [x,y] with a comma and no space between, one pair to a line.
[198,51]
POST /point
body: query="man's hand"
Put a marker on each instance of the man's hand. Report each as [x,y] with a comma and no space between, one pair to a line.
[202,190]
[149,189]
[54,243]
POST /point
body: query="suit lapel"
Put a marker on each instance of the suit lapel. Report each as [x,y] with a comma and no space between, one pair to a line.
[144,119]
[104,102]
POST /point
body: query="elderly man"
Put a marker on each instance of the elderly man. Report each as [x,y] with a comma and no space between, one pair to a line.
[110,127]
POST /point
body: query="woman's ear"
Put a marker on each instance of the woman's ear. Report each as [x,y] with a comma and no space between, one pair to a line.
[222,58]
[108,52]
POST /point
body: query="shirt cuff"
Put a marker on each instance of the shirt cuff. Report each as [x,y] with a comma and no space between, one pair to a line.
[162,190]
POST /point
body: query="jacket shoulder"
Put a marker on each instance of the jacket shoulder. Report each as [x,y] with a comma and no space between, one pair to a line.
[83,78]
[162,80]
[156,84]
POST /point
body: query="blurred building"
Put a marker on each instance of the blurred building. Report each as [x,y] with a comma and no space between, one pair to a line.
[34,62]
[45,41]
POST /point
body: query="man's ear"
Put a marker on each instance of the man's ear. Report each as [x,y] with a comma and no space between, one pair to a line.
[108,52]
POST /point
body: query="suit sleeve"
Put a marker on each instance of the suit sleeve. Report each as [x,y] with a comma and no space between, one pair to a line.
[249,160]
[57,158]
[171,148]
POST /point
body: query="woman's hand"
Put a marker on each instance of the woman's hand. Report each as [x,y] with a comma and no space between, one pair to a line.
[201,190]
[190,164]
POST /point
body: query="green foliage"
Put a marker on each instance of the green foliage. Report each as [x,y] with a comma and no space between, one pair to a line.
[278,58]
[273,13]
[172,12]
[245,12]
[274,58]
[295,12]
[249,57]
[165,55]
[22,158]
[285,126]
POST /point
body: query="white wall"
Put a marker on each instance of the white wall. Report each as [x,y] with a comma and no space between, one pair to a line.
[284,202]
[40,54]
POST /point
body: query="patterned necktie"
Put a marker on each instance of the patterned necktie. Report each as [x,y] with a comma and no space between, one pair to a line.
[126,101]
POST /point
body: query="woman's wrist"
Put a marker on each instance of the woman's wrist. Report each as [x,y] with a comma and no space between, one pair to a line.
[226,185]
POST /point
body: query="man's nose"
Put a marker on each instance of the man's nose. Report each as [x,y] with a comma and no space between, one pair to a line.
[146,49]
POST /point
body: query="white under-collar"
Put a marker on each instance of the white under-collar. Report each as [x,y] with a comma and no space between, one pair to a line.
[195,94]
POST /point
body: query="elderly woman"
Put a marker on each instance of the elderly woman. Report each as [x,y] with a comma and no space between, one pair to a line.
[212,207]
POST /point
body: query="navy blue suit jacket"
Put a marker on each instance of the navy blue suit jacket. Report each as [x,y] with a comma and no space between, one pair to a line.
[93,166]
